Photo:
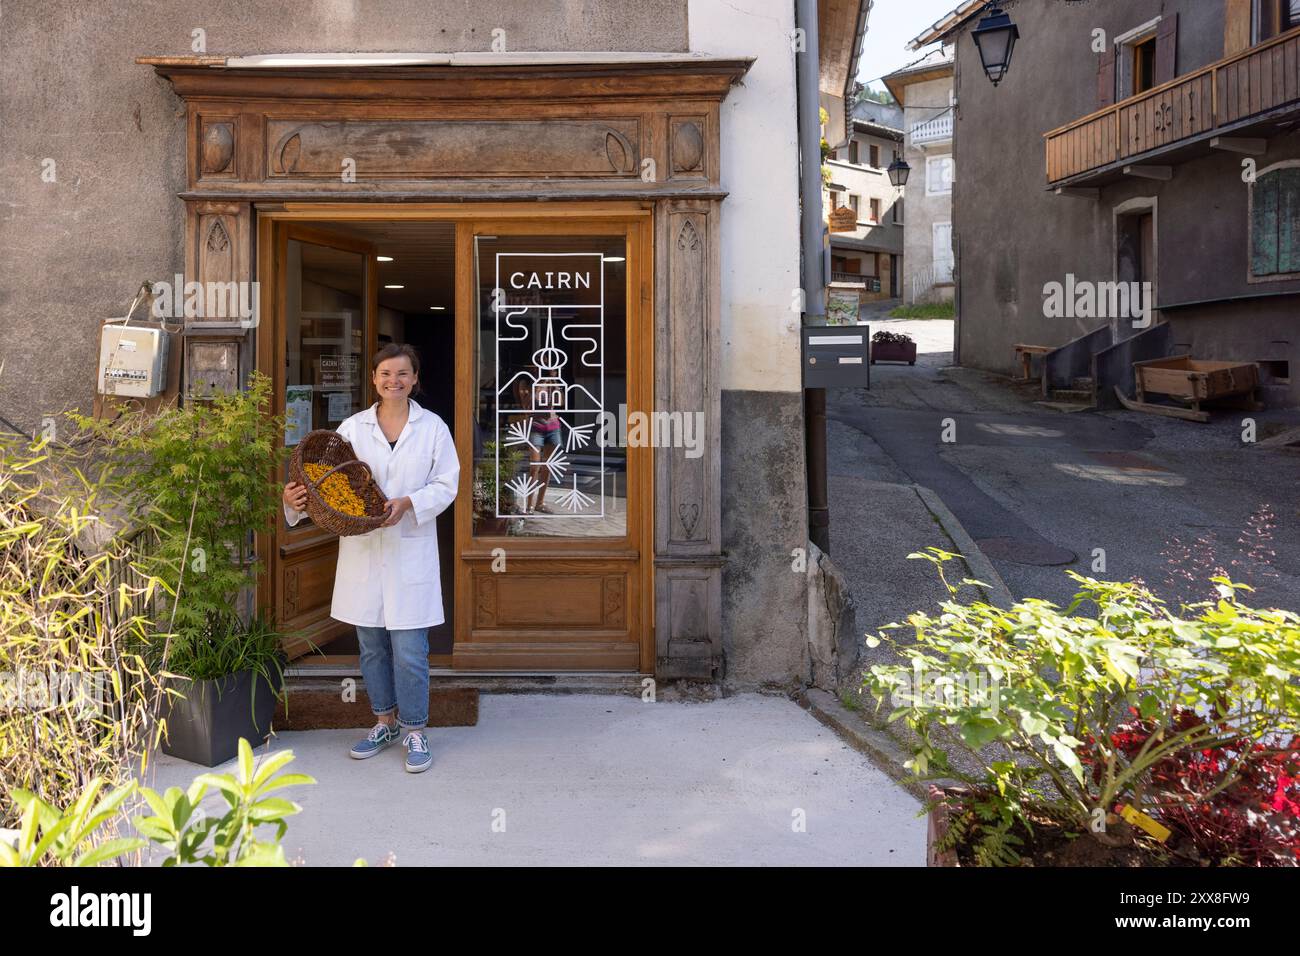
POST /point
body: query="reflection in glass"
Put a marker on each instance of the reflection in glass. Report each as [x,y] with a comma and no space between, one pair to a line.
[324,381]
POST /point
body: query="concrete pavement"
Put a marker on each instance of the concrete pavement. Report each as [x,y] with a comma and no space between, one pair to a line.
[594,780]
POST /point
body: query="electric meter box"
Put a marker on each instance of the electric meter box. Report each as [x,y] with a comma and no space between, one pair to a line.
[132,361]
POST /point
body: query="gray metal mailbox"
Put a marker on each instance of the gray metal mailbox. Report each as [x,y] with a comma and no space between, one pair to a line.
[836,356]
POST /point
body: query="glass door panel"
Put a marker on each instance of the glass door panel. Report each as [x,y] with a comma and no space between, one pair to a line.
[325,291]
[550,383]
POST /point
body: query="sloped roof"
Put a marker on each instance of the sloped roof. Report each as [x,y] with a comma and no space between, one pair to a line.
[841,26]
[942,28]
[934,65]
[883,116]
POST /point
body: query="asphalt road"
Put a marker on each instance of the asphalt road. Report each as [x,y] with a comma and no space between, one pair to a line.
[1116,495]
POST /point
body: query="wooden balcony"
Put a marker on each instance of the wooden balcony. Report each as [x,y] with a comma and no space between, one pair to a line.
[1238,94]
[872,282]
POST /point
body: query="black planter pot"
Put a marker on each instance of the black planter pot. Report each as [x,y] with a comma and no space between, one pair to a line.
[206,725]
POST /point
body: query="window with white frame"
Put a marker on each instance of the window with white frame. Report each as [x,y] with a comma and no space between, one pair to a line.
[938,175]
[944,260]
[1135,59]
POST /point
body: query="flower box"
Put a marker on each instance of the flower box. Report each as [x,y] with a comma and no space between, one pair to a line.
[892,347]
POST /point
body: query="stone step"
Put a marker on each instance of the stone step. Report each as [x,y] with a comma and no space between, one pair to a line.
[318,704]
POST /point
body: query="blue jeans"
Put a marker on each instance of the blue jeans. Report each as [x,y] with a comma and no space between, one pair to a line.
[395,667]
[540,439]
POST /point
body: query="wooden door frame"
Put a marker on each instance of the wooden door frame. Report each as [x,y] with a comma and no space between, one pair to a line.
[273,247]
[633,219]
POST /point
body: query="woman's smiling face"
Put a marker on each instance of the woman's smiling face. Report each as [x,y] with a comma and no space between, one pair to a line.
[394,379]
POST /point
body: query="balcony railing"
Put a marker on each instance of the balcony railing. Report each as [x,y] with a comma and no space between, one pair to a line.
[1235,88]
[937,130]
[872,282]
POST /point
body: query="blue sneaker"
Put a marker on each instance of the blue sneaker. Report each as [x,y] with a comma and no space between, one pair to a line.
[380,736]
[418,758]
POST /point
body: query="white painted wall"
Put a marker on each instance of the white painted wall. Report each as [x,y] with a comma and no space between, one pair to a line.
[925,101]
[760,171]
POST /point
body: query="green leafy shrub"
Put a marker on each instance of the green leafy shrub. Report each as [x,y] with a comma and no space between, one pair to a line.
[77,695]
[124,550]
[208,477]
[68,837]
[180,827]
[50,836]
[489,476]
[1030,688]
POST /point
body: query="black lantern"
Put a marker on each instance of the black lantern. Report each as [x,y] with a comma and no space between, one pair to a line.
[996,37]
[898,171]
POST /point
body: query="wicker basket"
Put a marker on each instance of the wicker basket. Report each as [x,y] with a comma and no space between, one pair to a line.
[323,447]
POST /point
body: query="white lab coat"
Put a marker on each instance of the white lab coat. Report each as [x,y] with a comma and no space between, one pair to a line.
[389,577]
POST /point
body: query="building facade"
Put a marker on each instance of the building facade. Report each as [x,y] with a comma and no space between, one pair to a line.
[926,95]
[1128,128]
[391,176]
[871,254]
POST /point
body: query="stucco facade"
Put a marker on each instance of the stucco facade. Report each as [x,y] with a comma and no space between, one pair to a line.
[107,213]
[926,95]
[859,180]
[1014,236]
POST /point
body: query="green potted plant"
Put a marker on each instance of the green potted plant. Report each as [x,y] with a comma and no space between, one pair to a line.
[206,475]
[1077,719]
[228,677]
[489,477]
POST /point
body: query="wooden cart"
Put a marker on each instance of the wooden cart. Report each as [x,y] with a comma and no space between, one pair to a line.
[1192,380]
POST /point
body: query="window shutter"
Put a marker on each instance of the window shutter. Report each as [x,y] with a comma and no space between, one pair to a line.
[1236,26]
[1288,223]
[1264,226]
[1106,79]
[1167,49]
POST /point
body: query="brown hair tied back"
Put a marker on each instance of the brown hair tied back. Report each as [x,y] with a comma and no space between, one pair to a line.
[396,350]
[393,350]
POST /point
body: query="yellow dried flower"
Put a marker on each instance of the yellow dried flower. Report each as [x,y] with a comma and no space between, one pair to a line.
[335,490]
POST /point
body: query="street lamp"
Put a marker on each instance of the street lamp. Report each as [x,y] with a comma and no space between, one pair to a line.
[898,171]
[995,37]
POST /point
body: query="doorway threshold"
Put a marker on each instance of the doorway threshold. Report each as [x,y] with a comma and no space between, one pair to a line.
[490,681]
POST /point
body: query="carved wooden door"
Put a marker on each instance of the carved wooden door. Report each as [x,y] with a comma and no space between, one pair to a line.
[553,359]
[324,336]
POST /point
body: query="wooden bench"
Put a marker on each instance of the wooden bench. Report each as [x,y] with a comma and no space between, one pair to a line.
[1025,354]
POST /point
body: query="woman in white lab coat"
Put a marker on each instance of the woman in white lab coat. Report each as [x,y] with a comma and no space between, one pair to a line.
[387,581]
